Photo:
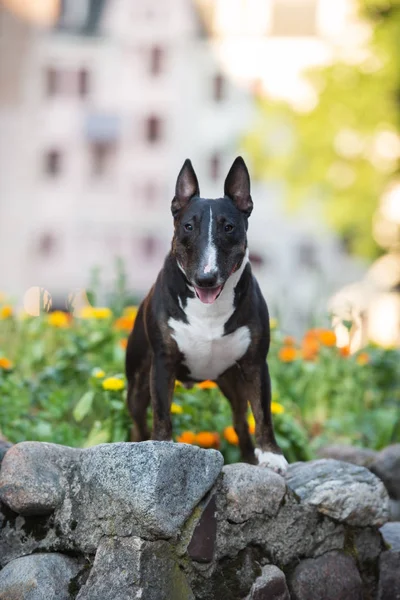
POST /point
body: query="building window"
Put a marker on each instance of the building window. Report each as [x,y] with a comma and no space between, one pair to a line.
[215,166]
[52,163]
[218,87]
[102,156]
[52,81]
[83,82]
[291,18]
[153,129]
[156,60]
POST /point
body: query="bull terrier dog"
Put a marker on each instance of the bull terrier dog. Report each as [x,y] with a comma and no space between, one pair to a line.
[205,318]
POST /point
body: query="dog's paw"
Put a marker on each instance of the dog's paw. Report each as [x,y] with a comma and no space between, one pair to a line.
[276,462]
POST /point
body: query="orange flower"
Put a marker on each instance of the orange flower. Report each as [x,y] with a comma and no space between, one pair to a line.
[5,364]
[363,358]
[327,337]
[289,340]
[187,437]
[287,354]
[124,323]
[252,424]
[207,385]
[6,311]
[207,439]
[123,343]
[310,346]
[231,436]
[344,351]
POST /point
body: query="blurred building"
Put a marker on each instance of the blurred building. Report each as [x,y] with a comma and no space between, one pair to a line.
[97,114]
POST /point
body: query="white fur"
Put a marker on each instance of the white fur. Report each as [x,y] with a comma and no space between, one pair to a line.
[208,353]
[276,462]
[211,251]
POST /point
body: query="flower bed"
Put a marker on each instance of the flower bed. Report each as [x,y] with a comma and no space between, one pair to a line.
[61,380]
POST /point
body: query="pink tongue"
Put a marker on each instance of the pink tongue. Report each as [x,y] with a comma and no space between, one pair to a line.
[208,295]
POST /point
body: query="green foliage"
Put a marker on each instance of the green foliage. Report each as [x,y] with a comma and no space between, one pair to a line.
[336,154]
[63,386]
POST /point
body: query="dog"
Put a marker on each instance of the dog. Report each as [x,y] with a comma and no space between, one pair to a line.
[205,318]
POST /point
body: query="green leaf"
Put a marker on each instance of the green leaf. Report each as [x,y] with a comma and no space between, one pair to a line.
[83,407]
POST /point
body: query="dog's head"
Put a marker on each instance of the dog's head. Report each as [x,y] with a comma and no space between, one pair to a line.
[210,239]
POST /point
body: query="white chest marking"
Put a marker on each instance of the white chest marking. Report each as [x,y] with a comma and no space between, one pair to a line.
[207,351]
[211,251]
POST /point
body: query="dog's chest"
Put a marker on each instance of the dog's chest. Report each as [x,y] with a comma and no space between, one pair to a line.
[207,351]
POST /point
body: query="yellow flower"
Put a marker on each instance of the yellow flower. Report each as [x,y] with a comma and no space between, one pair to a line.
[231,436]
[176,409]
[58,318]
[277,408]
[207,385]
[6,311]
[273,323]
[207,439]
[363,358]
[287,354]
[113,384]
[6,364]
[178,385]
[130,311]
[98,373]
[90,312]
[187,437]
[252,423]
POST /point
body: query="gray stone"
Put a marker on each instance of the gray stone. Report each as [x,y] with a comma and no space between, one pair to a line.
[394,509]
[367,543]
[391,534]
[4,446]
[202,544]
[363,457]
[38,577]
[267,491]
[271,585]
[389,576]
[387,468]
[333,576]
[31,480]
[131,568]
[346,492]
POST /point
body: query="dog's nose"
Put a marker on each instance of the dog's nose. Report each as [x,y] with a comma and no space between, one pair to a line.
[207,280]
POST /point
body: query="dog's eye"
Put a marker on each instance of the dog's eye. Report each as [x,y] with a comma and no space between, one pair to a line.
[228,228]
[188,227]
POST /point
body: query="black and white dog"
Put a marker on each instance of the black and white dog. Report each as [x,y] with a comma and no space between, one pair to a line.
[205,318]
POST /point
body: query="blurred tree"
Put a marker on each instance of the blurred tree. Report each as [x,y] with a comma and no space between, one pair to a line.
[345,150]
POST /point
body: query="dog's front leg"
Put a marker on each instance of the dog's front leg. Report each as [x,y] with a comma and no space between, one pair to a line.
[162,381]
[267,450]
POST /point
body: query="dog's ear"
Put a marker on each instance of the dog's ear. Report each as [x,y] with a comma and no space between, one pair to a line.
[187,186]
[237,186]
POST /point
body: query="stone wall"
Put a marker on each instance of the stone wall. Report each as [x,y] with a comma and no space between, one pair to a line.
[163,521]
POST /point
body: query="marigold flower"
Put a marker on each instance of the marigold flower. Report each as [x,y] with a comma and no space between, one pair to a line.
[6,311]
[130,311]
[123,343]
[309,348]
[124,323]
[273,323]
[289,340]
[187,437]
[90,312]
[59,319]
[6,364]
[252,424]
[176,409]
[277,408]
[231,436]
[363,358]
[287,354]
[327,337]
[98,373]
[344,351]
[207,439]
[207,385]
[113,384]
[178,385]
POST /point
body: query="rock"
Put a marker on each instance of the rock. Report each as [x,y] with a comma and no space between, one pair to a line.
[202,544]
[333,576]
[267,491]
[4,446]
[394,509]
[131,568]
[271,585]
[363,457]
[387,468]
[391,535]
[345,492]
[38,577]
[389,576]
[31,479]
